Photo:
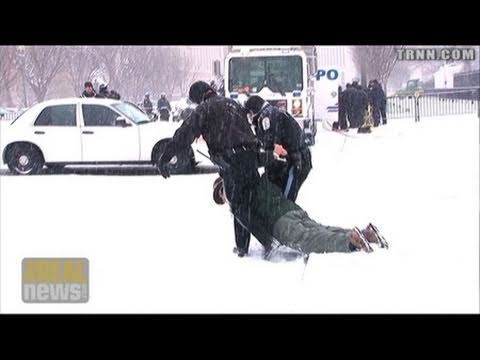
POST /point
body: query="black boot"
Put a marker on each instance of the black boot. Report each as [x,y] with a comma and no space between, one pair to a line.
[241,252]
[242,239]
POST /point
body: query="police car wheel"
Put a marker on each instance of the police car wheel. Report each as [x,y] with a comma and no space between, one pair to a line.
[25,160]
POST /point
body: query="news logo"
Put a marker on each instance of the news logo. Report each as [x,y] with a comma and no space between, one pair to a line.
[435,54]
[55,280]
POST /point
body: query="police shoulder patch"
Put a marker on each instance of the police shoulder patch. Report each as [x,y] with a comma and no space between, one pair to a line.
[266,123]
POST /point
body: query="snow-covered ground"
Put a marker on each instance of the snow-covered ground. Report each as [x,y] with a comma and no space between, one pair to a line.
[163,246]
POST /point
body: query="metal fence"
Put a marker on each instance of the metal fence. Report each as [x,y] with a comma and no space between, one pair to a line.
[10,116]
[430,105]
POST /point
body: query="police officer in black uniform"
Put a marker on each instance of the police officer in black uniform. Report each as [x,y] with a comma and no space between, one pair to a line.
[163,102]
[275,126]
[382,101]
[147,104]
[359,105]
[347,101]
[342,109]
[232,146]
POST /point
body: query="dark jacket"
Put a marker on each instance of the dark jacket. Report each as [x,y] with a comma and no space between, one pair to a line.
[347,99]
[276,126]
[223,125]
[147,105]
[369,91]
[87,95]
[268,205]
[377,96]
[113,95]
[108,94]
[359,100]
[163,103]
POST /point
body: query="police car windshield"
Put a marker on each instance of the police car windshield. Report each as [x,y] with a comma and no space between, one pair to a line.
[278,73]
[132,112]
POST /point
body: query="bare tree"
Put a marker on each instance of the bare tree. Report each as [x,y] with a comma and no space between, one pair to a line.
[187,72]
[80,65]
[154,69]
[377,62]
[8,72]
[112,61]
[173,60]
[172,69]
[39,65]
[161,70]
[137,68]
[131,70]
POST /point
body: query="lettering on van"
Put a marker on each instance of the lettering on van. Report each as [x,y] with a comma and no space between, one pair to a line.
[330,74]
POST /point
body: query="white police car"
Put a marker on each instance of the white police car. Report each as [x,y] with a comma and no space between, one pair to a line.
[89,131]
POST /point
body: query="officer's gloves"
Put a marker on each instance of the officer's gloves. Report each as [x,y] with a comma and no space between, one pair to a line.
[296,160]
[164,168]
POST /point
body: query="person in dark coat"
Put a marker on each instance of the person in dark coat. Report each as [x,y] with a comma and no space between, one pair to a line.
[373,102]
[342,109]
[89,91]
[112,94]
[104,92]
[359,105]
[163,107]
[147,104]
[232,146]
[163,102]
[348,102]
[383,103]
[378,100]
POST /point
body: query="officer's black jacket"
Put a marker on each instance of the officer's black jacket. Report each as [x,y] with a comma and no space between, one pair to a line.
[275,126]
[377,96]
[147,103]
[163,103]
[222,123]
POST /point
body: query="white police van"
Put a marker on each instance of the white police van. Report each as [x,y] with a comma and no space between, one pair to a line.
[304,80]
[282,75]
